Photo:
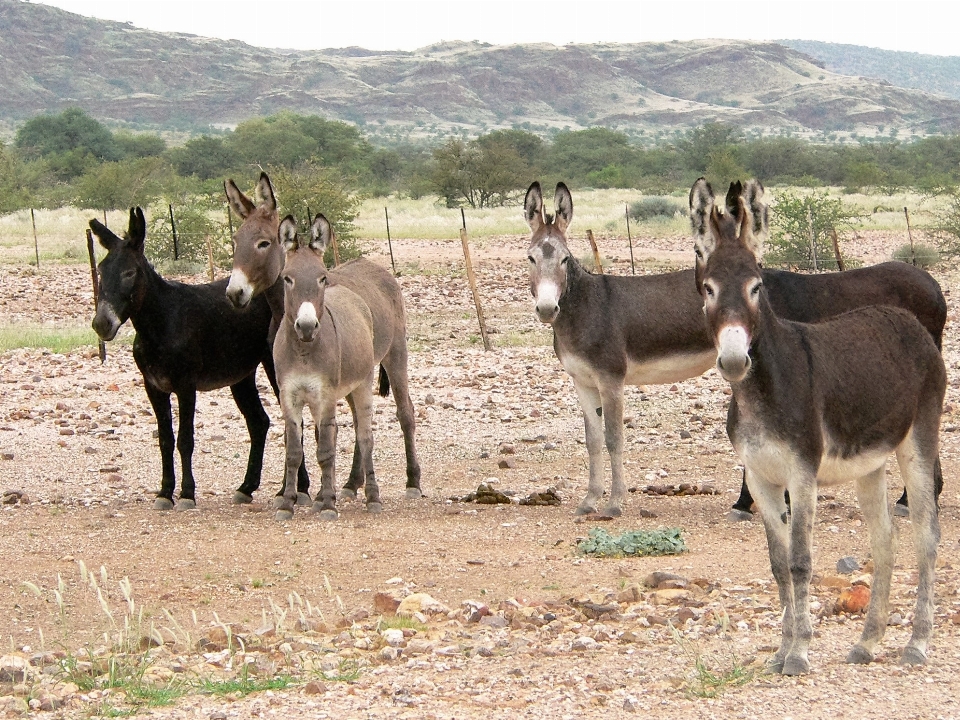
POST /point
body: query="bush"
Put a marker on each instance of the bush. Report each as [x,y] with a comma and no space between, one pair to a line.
[653,207]
[923,256]
[795,217]
[199,218]
[946,225]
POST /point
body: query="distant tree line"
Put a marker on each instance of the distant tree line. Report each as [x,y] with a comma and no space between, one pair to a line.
[72,159]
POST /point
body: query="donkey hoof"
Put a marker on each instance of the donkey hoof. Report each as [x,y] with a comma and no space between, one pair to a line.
[186,504]
[303,499]
[796,666]
[413,493]
[328,515]
[612,511]
[241,498]
[901,510]
[284,515]
[348,493]
[775,665]
[913,656]
[278,501]
[585,510]
[374,507]
[859,655]
[736,515]
[162,503]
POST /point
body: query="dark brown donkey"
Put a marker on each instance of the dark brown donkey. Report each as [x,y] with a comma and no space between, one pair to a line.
[189,338]
[820,404]
[257,262]
[323,352]
[610,330]
[813,298]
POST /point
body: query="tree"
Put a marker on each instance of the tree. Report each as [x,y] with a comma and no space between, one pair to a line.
[702,143]
[795,217]
[205,158]
[72,136]
[139,145]
[121,185]
[575,154]
[277,140]
[482,173]
[946,225]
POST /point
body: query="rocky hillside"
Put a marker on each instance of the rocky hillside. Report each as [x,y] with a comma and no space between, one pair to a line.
[52,59]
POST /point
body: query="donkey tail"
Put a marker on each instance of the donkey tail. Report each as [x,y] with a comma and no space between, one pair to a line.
[384,387]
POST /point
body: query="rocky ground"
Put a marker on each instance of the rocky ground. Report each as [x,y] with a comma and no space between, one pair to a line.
[437,607]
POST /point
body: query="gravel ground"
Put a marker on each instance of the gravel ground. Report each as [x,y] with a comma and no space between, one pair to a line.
[505,617]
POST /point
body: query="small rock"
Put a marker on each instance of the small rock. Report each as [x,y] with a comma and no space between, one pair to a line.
[6,456]
[429,399]
[508,449]
[494,621]
[685,435]
[14,668]
[419,647]
[390,653]
[847,565]
[630,704]
[507,464]
[385,603]
[314,687]
[394,637]
[853,600]
[421,603]
[583,643]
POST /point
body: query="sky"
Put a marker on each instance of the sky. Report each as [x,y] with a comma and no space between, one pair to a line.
[927,26]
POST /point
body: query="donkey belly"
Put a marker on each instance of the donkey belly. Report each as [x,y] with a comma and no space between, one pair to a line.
[669,368]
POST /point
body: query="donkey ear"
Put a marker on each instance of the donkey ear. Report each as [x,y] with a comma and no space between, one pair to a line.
[288,234]
[137,229]
[241,204]
[759,210]
[533,207]
[268,198]
[732,200]
[746,235]
[701,204]
[321,232]
[564,204]
[105,236]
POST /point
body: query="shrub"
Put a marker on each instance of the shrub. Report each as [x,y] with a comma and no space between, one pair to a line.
[199,218]
[923,256]
[946,225]
[653,207]
[795,217]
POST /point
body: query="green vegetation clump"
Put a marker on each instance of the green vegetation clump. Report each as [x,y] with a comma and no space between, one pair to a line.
[803,227]
[653,207]
[665,541]
[923,256]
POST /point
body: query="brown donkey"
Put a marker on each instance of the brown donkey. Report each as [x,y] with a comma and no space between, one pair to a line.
[610,331]
[323,351]
[820,404]
[257,262]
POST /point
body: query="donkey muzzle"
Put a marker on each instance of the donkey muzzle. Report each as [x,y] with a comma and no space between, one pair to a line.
[239,290]
[307,323]
[733,353]
[105,323]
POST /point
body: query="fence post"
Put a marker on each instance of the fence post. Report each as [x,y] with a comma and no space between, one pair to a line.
[596,252]
[229,211]
[836,249]
[173,228]
[389,242]
[471,278]
[906,214]
[36,246]
[813,244]
[101,346]
[626,211]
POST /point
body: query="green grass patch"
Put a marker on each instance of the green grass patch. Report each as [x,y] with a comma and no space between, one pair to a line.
[710,681]
[665,541]
[243,684]
[396,622]
[56,339]
[347,671]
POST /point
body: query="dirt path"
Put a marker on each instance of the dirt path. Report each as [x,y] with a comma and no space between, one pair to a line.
[520,623]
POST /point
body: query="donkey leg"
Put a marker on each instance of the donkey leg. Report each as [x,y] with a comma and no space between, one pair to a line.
[593,426]
[187,405]
[325,416]
[741,508]
[915,459]
[247,397]
[901,509]
[872,495]
[803,508]
[355,481]
[394,364]
[362,399]
[160,401]
[612,398]
[293,451]
[773,512]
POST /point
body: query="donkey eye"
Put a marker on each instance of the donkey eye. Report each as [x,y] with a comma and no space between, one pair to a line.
[530,258]
[698,252]
[288,281]
[263,245]
[755,290]
[564,260]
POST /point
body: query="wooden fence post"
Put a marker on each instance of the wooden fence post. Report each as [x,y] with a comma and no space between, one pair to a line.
[101,346]
[596,252]
[36,246]
[173,228]
[633,268]
[471,278]
[906,214]
[836,249]
[389,242]
[813,243]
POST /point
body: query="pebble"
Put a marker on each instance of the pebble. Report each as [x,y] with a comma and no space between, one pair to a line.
[847,565]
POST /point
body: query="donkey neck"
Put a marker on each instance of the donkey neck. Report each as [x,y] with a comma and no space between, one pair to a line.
[154,299]
[576,296]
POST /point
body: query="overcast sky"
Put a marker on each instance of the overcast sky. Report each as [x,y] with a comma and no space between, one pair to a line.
[919,26]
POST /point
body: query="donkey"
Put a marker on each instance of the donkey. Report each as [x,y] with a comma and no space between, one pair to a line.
[189,338]
[323,351]
[612,330]
[257,264]
[821,403]
[812,298]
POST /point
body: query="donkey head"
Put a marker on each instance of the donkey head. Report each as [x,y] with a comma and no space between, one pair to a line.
[304,278]
[702,204]
[120,274]
[548,253]
[731,288]
[257,254]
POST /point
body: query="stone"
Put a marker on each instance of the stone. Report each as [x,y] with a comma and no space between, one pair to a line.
[659,580]
[315,687]
[394,637]
[419,647]
[494,621]
[390,654]
[421,603]
[508,449]
[583,643]
[847,565]
[630,594]
[14,668]
[507,464]
[854,600]
[630,704]
[385,603]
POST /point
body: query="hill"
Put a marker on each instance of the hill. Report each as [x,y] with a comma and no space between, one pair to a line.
[52,59]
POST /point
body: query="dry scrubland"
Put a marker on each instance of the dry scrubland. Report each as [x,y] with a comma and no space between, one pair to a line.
[266,619]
